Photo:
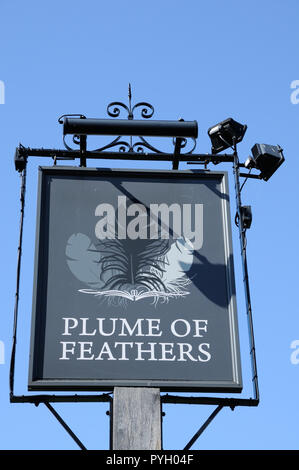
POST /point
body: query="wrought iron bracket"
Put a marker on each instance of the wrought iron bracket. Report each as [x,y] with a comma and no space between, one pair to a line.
[134,151]
[141,146]
[203,427]
[22,153]
[65,426]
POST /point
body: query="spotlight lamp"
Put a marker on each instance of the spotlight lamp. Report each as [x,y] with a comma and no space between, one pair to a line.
[246,215]
[266,158]
[224,134]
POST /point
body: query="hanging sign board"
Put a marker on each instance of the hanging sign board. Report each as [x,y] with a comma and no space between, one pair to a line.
[134,282]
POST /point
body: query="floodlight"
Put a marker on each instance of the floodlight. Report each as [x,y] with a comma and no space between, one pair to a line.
[224,134]
[246,215]
[266,158]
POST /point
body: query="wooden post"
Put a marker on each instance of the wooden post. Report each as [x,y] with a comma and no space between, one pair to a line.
[136,419]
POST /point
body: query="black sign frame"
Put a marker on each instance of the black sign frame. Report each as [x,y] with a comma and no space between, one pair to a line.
[36,379]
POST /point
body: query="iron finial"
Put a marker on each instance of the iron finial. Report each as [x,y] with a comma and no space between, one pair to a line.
[130,116]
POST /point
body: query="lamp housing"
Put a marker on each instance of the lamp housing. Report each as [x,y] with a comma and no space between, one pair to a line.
[246,214]
[20,160]
[267,159]
[224,134]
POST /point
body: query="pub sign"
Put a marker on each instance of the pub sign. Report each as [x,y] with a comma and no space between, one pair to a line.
[134,282]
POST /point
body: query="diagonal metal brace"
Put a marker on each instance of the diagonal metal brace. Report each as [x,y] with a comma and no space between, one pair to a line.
[65,426]
[203,427]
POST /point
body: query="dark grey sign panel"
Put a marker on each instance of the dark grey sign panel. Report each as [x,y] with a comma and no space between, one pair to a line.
[134,282]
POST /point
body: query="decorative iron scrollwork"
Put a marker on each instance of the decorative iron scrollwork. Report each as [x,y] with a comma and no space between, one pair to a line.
[147,110]
[114,110]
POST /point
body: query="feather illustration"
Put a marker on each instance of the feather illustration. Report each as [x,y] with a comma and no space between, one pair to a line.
[132,263]
[83,260]
[135,295]
[126,269]
[179,261]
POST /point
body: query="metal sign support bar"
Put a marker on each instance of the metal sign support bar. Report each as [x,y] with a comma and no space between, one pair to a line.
[203,427]
[36,399]
[22,153]
[202,400]
[65,426]
[17,294]
[242,236]
[58,154]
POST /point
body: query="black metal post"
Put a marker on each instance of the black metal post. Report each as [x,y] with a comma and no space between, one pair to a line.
[17,294]
[177,151]
[242,237]
[83,143]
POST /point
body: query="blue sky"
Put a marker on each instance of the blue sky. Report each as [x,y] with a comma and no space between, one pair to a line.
[197,60]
